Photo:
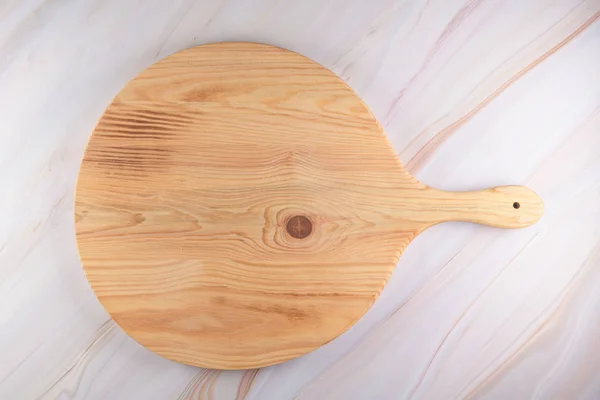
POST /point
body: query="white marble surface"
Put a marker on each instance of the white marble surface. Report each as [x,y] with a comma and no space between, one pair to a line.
[472,94]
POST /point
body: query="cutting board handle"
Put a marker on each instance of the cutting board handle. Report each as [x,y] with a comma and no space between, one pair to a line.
[502,206]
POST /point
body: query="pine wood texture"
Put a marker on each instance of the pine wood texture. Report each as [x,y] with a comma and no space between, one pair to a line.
[238,206]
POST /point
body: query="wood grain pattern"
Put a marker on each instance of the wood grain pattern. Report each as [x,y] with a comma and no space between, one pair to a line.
[192,193]
[459,87]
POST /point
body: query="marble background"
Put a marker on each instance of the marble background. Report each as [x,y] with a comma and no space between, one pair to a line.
[472,94]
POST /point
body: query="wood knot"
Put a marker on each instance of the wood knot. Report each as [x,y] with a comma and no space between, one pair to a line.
[299,226]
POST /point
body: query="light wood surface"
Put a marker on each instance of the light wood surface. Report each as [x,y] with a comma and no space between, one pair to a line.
[238,206]
[469,94]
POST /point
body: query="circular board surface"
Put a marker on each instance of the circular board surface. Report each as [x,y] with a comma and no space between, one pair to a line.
[238,206]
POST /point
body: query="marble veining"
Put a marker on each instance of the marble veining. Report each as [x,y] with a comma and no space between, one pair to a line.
[471,94]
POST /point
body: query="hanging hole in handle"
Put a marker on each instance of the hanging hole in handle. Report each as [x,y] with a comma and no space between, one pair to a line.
[516,205]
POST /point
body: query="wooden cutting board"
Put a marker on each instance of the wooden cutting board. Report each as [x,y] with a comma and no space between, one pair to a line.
[238,206]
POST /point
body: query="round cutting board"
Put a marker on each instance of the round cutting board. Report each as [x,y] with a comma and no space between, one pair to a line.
[238,205]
